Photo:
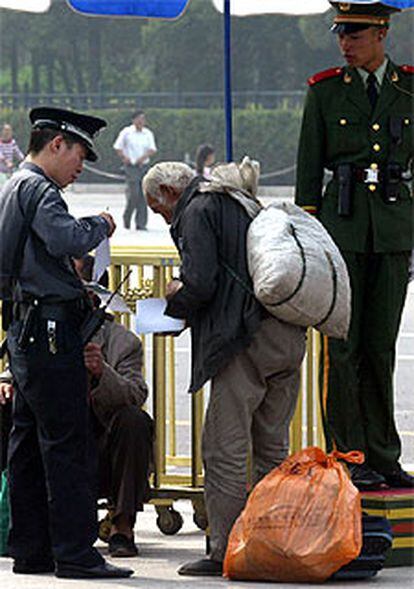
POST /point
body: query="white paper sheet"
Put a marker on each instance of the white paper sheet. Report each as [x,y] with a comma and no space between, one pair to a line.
[150,318]
[102,259]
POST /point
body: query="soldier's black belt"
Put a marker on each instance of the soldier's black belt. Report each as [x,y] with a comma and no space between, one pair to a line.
[368,175]
[377,176]
[385,181]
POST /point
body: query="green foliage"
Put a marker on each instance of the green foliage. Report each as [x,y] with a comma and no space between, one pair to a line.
[63,51]
[269,136]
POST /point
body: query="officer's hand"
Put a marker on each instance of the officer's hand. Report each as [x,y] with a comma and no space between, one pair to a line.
[6,392]
[94,360]
[108,217]
[172,288]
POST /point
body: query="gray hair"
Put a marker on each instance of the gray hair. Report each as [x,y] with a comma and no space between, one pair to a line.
[175,174]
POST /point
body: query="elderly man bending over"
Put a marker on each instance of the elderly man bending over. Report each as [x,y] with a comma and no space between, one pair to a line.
[252,358]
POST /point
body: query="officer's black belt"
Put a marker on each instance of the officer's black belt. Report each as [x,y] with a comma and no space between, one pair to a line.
[59,311]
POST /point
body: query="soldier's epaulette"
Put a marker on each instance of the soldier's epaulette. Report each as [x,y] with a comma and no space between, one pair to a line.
[407,69]
[325,75]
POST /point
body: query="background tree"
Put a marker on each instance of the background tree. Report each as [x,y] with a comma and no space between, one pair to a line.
[62,51]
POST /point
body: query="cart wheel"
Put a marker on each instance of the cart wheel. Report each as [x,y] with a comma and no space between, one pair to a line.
[200,519]
[169,521]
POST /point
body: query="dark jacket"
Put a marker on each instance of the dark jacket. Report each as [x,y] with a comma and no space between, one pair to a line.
[209,228]
[54,237]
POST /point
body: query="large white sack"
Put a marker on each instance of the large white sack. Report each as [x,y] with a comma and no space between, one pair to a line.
[298,272]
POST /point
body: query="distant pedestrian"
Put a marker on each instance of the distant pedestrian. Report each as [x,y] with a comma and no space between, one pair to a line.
[10,152]
[205,158]
[135,145]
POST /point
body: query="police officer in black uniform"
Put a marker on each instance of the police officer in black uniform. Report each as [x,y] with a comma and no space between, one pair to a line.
[51,456]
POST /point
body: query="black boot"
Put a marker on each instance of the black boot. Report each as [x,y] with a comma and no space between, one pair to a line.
[366,479]
[399,479]
[99,571]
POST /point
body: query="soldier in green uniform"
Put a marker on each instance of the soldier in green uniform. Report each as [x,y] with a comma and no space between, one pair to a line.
[358,125]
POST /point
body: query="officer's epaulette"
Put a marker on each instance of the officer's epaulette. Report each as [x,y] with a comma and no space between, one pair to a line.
[325,75]
[407,69]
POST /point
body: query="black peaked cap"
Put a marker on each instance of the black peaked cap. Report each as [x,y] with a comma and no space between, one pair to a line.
[82,127]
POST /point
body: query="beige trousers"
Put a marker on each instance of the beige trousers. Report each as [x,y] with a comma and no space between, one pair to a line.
[252,402]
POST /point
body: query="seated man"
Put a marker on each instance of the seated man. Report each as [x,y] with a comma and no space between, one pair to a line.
[123,430]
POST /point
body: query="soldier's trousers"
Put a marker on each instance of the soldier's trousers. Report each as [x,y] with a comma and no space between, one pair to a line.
[252,401]
[135,200]
[357,374]
[51,452]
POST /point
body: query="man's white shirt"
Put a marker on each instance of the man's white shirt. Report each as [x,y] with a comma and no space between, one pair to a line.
[134,143]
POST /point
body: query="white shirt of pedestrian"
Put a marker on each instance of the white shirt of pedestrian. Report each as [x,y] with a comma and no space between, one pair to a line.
[134,143]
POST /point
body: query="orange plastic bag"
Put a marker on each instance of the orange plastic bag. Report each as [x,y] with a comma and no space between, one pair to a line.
[301,523]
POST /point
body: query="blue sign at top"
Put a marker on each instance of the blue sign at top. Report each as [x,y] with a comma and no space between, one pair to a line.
[143,8]
[400,3]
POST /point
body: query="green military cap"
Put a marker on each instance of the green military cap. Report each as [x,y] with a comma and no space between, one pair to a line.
[351,17]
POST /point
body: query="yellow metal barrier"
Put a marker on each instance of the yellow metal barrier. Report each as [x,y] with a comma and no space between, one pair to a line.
[176,474]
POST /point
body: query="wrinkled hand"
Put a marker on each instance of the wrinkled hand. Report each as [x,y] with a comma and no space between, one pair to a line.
[94,360]
[109,218]
[172,288]
[6,392]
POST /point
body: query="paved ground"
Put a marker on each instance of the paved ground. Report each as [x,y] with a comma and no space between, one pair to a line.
[160,556]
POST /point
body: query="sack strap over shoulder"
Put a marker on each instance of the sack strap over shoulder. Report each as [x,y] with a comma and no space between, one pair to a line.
[236,276]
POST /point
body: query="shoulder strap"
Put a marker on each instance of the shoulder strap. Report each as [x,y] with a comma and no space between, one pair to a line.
[325,75]
[27,221]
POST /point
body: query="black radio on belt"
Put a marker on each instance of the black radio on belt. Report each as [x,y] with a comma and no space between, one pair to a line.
[28,319]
